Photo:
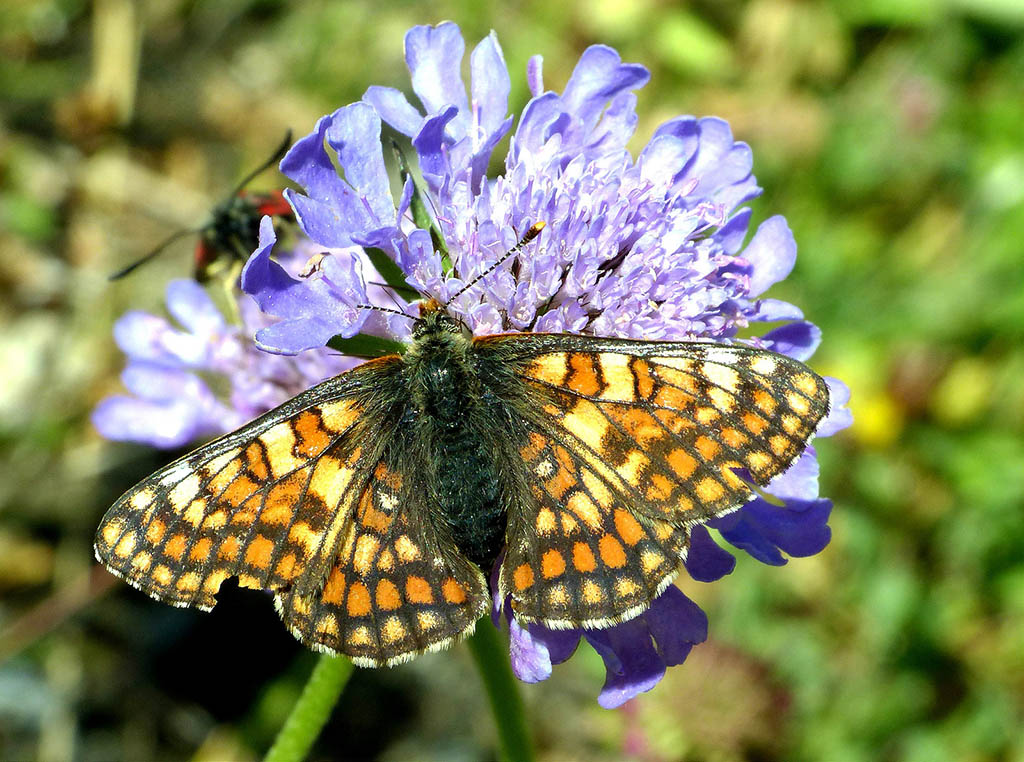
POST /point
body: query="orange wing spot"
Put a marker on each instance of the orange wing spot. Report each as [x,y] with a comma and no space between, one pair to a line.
[651,561]
[580,504]
[587,423]
[228,549]
[406,549]
[359,637]
[327,625]
[611,552]
[255,462]
[617,376]
[732,437]
[765,401]
[569,524]
[628,527]
[154,532]
[550,368]
[682,463]
[791,424]
[453,592]
[806,383]
[188,583]
[241,489]
[334,590]
[249,581]
[162,575]
[755,424]
[709,490]
[552,564]
[216,520]
[283,499]
[707,447]
[287,567]
[195,512]
[175,547]
[366,551]
[142,561]
[706,415]
[392,479]
[660,489]
[417,590]
[522,577]
[641,426]
[534,447]
[373,518]
[729,475]
[545,521]
[759,461]
[779,444]
[798,403]
[213,582]
[358,603]
[302,534]
[112,530]
[561,483]
[678,377]
[583,557]
[312,439]
[125,546]
[427,620]
[557,596]
[338,416]
[386,560]
[592,592]
[259,551]
[393,630]
[644,380]
[597,488]
[626,588]
[387,596]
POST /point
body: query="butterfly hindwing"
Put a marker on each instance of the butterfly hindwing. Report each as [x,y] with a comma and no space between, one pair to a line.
[656,436]
[397,586]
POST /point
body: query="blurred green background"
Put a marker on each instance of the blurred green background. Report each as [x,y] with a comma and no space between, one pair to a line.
[891,135]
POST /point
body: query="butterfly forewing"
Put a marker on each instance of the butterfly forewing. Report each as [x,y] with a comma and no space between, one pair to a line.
[654,437]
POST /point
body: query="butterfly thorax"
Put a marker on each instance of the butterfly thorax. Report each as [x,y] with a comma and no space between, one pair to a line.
[452,414]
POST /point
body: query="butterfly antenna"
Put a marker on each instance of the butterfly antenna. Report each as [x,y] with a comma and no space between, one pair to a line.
[375,308]
[276,157]
[152,254]
[530,234]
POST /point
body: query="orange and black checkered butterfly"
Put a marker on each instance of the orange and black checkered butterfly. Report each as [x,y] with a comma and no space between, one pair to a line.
[373,503]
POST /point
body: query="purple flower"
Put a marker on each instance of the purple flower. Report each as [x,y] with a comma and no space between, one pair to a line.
[650,247]
[170,404]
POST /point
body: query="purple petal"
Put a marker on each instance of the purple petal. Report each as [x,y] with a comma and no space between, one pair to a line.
[560,644]
[706,560]
[535,75]
[772,252]
[839,415]
[676,624]
[632,663]
[191,306]
[730,236]
[531,661]
[434,57]
[796,340]
[770,310]
[599,76]
[490,84]
[430,143]
[394,108]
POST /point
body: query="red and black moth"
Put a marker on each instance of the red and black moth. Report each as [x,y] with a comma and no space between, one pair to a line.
[231,233]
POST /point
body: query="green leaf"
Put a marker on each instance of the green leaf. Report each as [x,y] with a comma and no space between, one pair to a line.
[391,272]
[364,345]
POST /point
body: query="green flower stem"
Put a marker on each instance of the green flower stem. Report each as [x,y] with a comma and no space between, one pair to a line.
[312,710]
[491,657]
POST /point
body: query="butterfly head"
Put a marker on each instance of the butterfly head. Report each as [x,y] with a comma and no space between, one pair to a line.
[434,321]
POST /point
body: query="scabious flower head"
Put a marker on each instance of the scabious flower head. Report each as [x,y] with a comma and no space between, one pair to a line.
[648,247]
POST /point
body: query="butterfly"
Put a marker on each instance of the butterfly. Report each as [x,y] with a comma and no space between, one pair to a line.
[372,504]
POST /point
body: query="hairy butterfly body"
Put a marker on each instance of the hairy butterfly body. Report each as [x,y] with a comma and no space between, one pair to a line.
[373,504]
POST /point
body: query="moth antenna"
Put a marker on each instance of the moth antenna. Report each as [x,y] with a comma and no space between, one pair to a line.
[279,152]
[530,234]
[154,252]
